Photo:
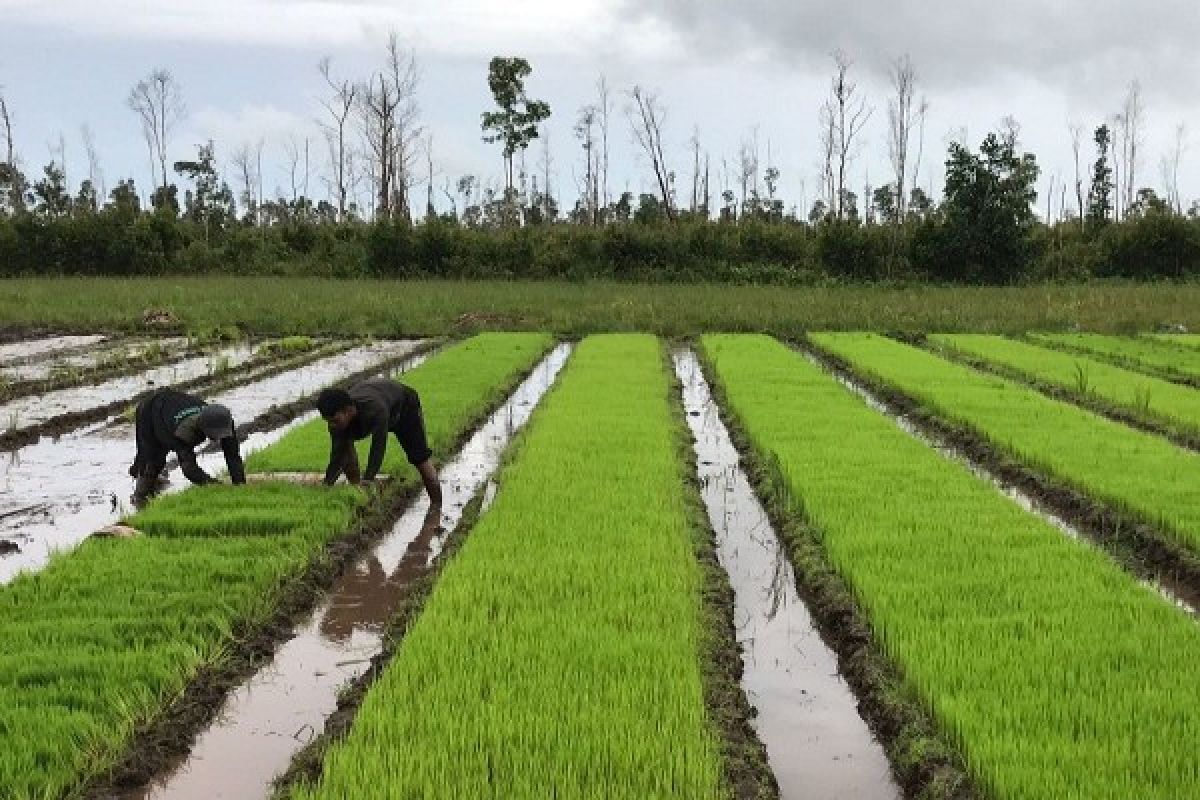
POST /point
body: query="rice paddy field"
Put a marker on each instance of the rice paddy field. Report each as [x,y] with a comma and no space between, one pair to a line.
[573,630]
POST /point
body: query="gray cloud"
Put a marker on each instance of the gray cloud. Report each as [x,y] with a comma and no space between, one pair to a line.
[1074,46]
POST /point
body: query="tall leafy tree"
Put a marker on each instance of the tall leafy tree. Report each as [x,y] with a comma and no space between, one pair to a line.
[1099,208]
[516,122]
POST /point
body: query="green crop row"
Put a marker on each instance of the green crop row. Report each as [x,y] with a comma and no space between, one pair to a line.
[1140,352]
[1054,673]
[478,367]
[1177,407]
[104,638]
[558,654]
[1181,339]
[1136,471]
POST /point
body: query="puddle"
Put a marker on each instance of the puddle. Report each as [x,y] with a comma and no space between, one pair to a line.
[121,352]
[57,491]
[1175,592]
[263,723]
[18,352]
[25,412]
[817,744]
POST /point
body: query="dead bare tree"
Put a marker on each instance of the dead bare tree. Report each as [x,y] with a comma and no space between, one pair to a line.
[95,174]
[389,117]
[1117,150]
[291,151]
[694,144]
[922,116]
[1132,112]
[338,107]
[1076,131]
[1170,166]
[546,164]
[158,102]
[747,170]
[10,157]
[901,116]
[646,116]
[850,114]
[827,120]
[243,162]
[604,112]
[585,132]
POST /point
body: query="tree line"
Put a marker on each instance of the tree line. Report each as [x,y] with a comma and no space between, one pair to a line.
[363,217]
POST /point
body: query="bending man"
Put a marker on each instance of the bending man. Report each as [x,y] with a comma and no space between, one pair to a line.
[375,408]
[168,421]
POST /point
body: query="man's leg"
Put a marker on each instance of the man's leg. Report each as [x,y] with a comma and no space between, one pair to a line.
[410,432]
[148,481]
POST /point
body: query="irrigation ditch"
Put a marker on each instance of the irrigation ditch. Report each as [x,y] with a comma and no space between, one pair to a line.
[804,712]
[1138,546]
[160,748]
[923,762]
[54,502]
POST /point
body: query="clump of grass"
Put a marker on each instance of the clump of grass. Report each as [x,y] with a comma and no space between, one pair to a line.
[287,346]
[1052,671]
[558,654]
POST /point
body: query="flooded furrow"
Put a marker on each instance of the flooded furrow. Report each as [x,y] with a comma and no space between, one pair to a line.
[807,716]
[56,492]
[80,360]
[263,723]
[1174,592]
[29,411]
[28,349]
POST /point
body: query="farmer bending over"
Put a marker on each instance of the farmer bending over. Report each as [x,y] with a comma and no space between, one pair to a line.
[374,408]
[169,420]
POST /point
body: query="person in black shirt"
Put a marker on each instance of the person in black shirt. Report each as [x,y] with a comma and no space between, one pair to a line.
[375,408]
[169,421]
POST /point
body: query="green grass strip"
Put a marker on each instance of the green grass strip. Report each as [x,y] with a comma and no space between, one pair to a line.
[1177,407]
[1181,339]
[1135,471]
[558,653]
[1055,673]
[481,365]
[104,638]
[1136,352]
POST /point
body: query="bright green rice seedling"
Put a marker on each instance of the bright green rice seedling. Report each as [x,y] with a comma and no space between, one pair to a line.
[1175,406]
[1181,339]
[1052,671]
[1137,471]
[1141,353]
[452,383]
[105,637]
[558,655]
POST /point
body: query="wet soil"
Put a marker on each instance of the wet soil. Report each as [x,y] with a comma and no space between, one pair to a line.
[159,745]
[57,491]
[923,762]
[23,351]
[818,746]
[89,364]
[1146,552]
[266,720]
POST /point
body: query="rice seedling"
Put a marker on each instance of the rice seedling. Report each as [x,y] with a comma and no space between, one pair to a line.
[1177,407]
[1135,352]
[1181,339]
[558,654]
[1053,672]
[106,637]
[1136,471]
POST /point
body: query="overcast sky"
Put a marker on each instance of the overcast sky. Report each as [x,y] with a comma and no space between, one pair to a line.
[248,71]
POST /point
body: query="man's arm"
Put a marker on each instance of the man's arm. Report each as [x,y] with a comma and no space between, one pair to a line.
[339,443]
[378,447]
[233,460]
[191,470]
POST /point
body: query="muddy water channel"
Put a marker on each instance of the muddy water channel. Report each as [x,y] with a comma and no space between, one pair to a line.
[74,359]
[818,746]
[280,709]
[26,412]
[56,492]
[25,351]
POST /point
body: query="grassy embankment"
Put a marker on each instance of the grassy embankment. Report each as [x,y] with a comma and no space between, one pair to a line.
[558,654]
[1052,671]
[1132,470]
[105,638]
[391,308]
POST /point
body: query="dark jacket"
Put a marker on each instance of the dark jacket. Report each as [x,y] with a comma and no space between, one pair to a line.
[165,423]
[381,404]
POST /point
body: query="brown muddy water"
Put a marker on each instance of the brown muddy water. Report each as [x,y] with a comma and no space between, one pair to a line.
[1175,592]
[263,723]
[29,349]
[123,350]
[818,746]
[25,412]
[56,492]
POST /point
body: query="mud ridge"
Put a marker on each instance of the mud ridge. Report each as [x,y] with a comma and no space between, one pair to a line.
[1095,404]
[922,759]
[744,761]
[1141,548]
[160,742]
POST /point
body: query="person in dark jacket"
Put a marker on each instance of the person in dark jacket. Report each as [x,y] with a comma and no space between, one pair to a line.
[376,408]
[169,421]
